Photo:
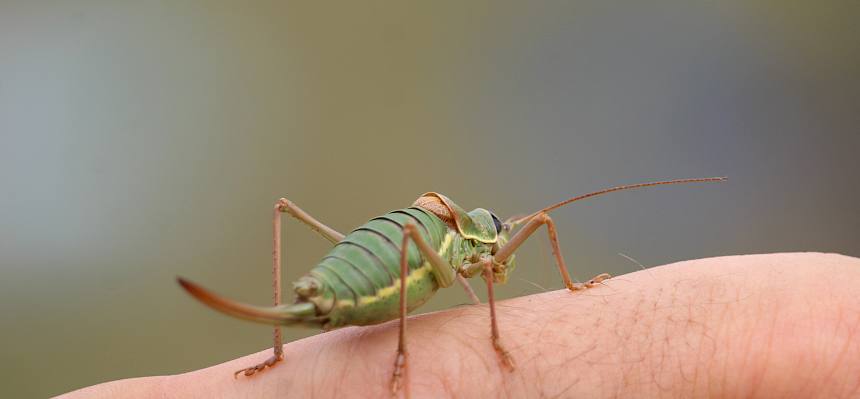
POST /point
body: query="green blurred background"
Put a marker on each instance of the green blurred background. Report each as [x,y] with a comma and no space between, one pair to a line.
[144,140]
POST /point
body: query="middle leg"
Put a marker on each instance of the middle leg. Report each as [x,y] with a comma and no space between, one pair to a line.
[504,355]
[444,274]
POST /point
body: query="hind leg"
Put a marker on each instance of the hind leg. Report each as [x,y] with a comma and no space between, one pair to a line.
[285,206]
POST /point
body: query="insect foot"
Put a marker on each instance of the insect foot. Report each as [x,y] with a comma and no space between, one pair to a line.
[260,367]
[399,367]
[504,356]
[590,283]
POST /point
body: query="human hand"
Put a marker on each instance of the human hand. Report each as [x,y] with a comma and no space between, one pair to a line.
[742,326]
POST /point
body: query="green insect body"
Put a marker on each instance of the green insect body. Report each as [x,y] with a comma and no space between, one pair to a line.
[358,283]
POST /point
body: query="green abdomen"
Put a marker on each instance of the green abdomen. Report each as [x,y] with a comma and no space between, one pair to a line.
[361,273]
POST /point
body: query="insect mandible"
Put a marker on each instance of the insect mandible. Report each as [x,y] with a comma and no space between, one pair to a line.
[433,243]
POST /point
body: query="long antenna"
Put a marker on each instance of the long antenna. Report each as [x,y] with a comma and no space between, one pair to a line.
[619,188]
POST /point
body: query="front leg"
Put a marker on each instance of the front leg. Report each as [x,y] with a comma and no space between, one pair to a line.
[502,255]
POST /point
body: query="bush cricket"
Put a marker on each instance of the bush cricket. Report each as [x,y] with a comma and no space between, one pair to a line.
[433,243]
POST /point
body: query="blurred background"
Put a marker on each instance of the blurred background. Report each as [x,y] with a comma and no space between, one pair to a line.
[144,140]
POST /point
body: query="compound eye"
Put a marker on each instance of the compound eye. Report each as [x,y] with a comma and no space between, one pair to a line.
[498,223]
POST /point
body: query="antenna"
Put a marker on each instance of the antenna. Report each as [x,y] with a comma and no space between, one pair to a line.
[619,188]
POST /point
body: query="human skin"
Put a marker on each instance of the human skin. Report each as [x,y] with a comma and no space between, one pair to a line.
[779,325]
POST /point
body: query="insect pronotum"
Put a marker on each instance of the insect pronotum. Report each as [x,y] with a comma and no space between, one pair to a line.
[433,243]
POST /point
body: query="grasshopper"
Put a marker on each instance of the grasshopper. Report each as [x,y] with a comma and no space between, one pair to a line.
[415,250]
